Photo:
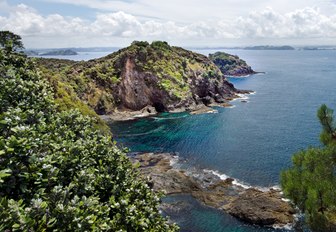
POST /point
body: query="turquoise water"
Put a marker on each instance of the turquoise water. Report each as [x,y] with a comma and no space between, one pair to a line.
[253,141]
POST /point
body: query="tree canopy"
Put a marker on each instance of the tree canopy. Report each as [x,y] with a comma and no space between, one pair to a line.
[57,173]
[10,41]
[311,182]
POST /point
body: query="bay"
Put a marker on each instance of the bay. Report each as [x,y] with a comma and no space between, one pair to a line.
[253,141]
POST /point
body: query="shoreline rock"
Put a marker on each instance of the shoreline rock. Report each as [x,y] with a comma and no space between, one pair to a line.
[264,208]
[128,115]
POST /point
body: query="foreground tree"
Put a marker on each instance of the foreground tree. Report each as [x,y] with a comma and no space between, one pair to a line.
[10,41]
[56,172]
[311,182]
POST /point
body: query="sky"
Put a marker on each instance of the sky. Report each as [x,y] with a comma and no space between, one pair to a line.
[189,23]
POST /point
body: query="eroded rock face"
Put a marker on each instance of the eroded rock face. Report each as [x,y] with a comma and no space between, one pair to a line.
[168,78]
[264,208]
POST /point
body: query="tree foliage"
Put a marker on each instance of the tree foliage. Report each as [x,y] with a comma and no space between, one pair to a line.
[311,182]
[325,115]
[10,41]
[57,173]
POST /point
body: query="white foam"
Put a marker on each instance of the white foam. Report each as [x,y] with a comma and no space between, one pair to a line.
[224,177]
[174,161]
[230,107]
[288,226]
[216,173]
[240,184]
[242,96]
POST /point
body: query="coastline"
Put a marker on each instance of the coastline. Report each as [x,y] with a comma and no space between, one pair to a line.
[258,206]
[148,111]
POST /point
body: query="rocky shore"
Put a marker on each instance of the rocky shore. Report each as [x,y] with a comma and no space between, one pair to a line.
[252,205]
[126,115]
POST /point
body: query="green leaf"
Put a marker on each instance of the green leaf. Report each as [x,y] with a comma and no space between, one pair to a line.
[4,173]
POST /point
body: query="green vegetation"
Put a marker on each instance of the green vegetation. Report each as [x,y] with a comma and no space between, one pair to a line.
[57,173]
[10,41]
[66,91]
[311,182]
[97,84]
[230,64]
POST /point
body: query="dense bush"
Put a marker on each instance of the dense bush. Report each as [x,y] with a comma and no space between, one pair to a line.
[311,182]
[56,172]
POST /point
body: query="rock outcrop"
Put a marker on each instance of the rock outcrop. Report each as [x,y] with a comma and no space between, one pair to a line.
[262,208]
[231,65]
[265,208]
[157,75]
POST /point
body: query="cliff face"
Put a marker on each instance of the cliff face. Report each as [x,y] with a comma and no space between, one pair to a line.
[143,74]
[231,65]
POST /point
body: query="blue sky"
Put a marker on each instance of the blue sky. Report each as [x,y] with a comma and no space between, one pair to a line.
[98,23]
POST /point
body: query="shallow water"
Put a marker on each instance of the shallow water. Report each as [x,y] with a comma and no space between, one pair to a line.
[252,141]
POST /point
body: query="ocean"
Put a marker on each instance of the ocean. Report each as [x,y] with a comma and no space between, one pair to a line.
[253,141]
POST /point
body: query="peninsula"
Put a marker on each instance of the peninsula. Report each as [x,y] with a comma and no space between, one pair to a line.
[141,79]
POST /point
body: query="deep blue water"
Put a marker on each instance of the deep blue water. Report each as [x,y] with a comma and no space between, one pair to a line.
[253,141]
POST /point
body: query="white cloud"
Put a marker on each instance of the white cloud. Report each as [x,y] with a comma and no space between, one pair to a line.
[119,28]
[304,23]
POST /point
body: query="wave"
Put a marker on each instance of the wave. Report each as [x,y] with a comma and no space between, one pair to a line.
[177,162]
[240,183]
[253,93]
[241,96]
[209,176]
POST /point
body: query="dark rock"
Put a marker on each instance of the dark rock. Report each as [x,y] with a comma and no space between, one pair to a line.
[261,208]
[251,205]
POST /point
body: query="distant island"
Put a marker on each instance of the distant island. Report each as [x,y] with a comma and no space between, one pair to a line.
[310,48]
[66,52]
[267,47]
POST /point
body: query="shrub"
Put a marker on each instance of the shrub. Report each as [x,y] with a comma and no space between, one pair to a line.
[57,173]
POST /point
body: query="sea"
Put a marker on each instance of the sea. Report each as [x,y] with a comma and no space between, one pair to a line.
[252,141]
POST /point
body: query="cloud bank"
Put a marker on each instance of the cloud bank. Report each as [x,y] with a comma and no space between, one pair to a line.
[306,23]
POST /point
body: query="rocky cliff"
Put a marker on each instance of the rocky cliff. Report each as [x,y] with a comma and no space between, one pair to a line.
[165,77]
